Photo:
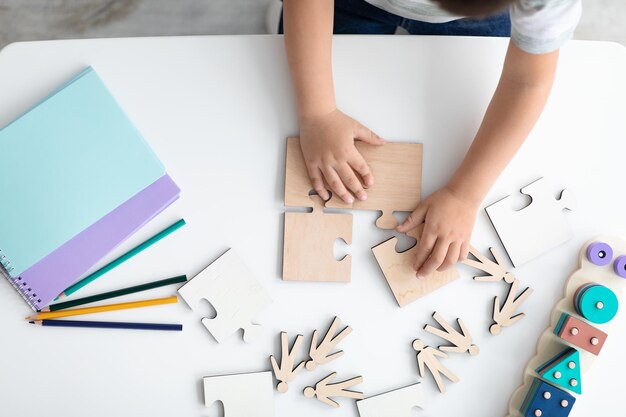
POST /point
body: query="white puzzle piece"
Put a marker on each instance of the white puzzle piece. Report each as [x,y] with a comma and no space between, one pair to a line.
[235,294]
[243,395]
[396,403]
[538,227]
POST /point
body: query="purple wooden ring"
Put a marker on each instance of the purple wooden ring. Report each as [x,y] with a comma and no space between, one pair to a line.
[620,266]
[600,253]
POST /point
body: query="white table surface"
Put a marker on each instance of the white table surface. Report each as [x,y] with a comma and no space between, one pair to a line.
[217,111]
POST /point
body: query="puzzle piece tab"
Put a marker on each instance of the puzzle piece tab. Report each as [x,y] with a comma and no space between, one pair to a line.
[580,334]
[234,293]
[535,229]
[563,370]
[243,395]
[546,400]
[396,403]
[308,245]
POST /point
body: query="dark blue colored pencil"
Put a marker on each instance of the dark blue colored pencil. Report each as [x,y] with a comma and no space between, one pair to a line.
[108,325]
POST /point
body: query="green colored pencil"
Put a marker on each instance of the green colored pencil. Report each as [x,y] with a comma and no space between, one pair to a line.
[117,262]
[116,293]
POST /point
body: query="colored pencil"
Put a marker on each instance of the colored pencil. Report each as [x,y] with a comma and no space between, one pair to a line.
[117,262]
[100,309]
[113,294]
[108,325]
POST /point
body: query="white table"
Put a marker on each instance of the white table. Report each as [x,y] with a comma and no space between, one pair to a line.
[217,110]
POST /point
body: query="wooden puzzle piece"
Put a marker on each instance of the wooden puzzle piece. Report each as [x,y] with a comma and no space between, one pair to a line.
[321,354]
[505,315]
[535,229]
[286,372]
[324,389]
[397,168]
[461,341]
[400,275]
[428,357]
[243,395]
[546,400]
[496,271]
[309,239]
[563,370]
[235,294]
[396,403]
[580,334]
[596,303]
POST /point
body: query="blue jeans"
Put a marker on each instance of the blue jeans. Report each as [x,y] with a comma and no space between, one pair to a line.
[360,17]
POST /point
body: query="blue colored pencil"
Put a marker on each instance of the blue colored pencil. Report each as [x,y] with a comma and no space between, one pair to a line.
[108,325]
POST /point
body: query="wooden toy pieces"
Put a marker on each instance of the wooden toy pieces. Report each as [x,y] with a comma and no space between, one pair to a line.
[234,293]
[495,269]
[400,275]
[428,357]
[286,371]
[461,342]
[396,403]
[596,303]
[580,334]
[563,370]
[535,229]
[243,395]
[321,354]
[505,315]
[398,169]
[308,245]
[324,389]
[545,400]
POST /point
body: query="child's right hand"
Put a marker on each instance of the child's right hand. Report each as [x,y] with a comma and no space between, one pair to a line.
[327,143]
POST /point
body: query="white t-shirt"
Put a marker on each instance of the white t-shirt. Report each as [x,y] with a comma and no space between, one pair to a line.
[537,26]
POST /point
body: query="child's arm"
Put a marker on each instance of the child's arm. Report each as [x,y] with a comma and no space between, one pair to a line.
[326,134]
[449,213]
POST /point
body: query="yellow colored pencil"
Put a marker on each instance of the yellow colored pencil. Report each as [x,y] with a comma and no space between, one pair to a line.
[100,309]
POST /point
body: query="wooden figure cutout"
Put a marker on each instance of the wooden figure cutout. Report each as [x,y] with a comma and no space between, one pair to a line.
[505,315]
[398,170]
[427,357]
[324,390]
[309,241]
[286,371]
[495,269]
[320,354]
[400,275]
[461,342]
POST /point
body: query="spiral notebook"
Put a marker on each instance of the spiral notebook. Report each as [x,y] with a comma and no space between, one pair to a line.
[78,179]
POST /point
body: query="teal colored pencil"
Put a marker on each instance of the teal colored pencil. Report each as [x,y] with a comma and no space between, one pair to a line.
[117,262]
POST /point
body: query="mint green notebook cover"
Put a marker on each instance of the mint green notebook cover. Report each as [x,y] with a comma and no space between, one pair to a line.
[65,164]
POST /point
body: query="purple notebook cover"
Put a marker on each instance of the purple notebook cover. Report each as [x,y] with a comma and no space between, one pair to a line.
[46,279]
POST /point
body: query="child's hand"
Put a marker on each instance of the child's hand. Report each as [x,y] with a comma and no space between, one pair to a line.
[327,143]
[448,219]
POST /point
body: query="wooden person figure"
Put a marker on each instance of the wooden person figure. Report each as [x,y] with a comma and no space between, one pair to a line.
[286,371]
[324,390]
[461,342]
[495,270]
[428,357]
[320,354]
[505,315]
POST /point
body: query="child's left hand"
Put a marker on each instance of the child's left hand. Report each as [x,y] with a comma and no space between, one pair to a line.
[448,218]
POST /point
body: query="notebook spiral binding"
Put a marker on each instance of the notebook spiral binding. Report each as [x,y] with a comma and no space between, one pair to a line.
[20,285]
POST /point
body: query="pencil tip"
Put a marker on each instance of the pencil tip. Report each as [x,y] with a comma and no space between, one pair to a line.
[31,322]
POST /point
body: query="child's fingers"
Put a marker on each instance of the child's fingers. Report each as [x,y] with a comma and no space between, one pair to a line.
[414,219]
[464,251]
[317,182]
[424,248]
[436,258]
[336,184]
[452,257]
[357,162]
[364,134]
[350,180]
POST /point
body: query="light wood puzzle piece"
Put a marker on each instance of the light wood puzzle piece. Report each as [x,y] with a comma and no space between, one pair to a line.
[286,372]
[461,341]
[396,403]
[325,389]
[321,353]
[428,357]
[309,240]
[505,315]
[538,227]
[243,395]
[595,264]
[400,275]
[496,271]
[235,294]
[397,168]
